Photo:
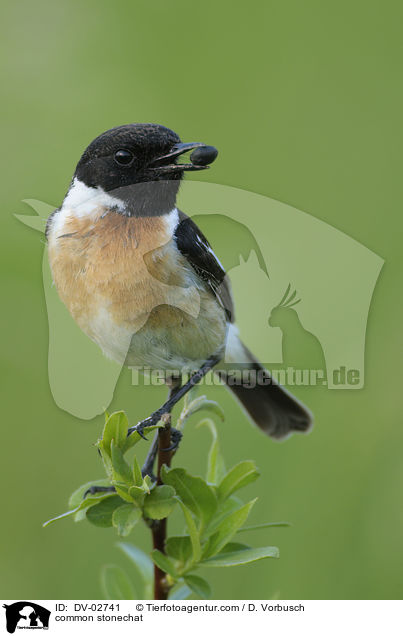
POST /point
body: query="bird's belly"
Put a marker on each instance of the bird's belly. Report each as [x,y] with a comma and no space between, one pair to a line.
[136,298]
[172,339]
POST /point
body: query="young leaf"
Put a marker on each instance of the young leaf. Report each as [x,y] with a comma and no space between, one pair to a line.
[227,529]
[269,524]
[64,514]
[78,495]
[199,404]
[239,557]
[215,461]
[190,395]
[147,484]
[194,535]
[125,518]
[115,428]
[123,491]
[224,509]
[121,469]
[198,585]
[134,438]
[137,494]
[239,476]
[143,564]
[88,502]
[106,459]
[116,585]
[164,563]
[198,496]
[84,505]
[160,502]
[179,548]
[101,514]
[234,546]
[137,476]
[179,593]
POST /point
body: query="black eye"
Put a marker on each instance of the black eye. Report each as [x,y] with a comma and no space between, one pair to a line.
[124,157]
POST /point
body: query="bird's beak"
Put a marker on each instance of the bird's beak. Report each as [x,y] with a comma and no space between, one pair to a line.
[167,163]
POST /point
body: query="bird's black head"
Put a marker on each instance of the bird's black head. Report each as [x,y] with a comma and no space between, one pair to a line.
[139,164]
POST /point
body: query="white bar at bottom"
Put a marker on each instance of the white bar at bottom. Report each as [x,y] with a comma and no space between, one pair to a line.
[280,618]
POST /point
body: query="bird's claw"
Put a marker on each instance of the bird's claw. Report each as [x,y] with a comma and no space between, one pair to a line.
[139,428]
[93,490]
[148,471]
[140,432]
[176,437]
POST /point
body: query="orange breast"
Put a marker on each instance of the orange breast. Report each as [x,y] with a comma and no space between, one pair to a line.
[125,269]
[120,263]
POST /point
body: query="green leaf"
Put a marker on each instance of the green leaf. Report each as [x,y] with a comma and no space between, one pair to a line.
[134,438]
[197,496]
[64,514]
[198,404]
[179,548]
[164,563]
[160,502]
[179,593]
[227,528]
[121,469]
[125,518]
[198,585]
[234,546]
[106,460]
[194,535]
[137,494]
[147,484]
[215,461]
[115,428]
[86,503]
[137,476]
[143,563]
[239,476]
[269,524]
[190,395]
[123,491]
[77,496]
[225,508]
[101,514]
[213,407]
[239,557]
[116,585]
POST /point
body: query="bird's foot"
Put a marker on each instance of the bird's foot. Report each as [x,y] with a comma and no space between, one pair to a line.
[148,470]
[176,437]
[94,490]
[152,420]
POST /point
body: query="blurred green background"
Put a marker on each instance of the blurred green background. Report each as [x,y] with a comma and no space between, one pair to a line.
[304,99]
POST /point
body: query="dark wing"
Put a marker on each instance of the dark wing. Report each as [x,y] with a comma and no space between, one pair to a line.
[192,243]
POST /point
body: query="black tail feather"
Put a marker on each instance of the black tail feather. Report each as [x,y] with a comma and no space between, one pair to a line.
[271,407]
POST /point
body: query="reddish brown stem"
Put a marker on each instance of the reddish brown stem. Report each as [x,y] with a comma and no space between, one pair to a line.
[159,528]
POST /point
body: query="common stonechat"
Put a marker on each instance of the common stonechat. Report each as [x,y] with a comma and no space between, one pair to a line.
[141,279]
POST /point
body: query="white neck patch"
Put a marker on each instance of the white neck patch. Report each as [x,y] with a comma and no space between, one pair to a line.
[172,220]
[81,200]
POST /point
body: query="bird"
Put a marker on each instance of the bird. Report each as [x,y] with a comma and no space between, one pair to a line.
[143,282]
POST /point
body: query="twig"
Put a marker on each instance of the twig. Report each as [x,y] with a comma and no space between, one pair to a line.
[159,527]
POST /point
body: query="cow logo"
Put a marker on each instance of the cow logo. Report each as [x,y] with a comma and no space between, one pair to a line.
[26,615]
